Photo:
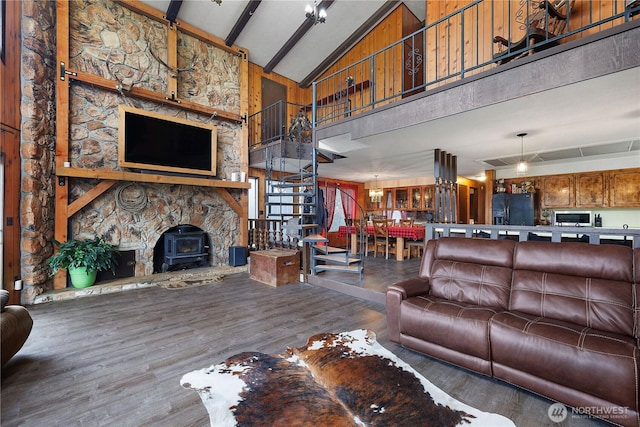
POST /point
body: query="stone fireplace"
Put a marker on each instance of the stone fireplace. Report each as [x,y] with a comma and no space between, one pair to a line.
[181,247]
[132,214]
[169,209]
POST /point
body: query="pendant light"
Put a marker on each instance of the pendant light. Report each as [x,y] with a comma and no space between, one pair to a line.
[375,193]
[521,168]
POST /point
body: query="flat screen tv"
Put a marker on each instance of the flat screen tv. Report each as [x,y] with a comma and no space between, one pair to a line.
[152,141]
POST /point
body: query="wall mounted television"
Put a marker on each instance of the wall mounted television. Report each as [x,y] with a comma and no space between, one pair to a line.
[153,141]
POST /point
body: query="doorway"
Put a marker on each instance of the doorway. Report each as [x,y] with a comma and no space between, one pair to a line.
[274,120]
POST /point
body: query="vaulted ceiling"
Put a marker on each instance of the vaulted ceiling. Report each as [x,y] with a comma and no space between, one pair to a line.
[597,119]
[277,33]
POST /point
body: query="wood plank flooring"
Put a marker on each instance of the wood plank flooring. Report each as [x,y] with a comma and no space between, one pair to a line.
[117,359]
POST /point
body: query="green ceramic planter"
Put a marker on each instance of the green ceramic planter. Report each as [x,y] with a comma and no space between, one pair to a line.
[80,278]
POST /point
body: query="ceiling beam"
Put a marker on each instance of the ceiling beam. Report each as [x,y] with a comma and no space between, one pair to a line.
[172,10]
[357,35]
[247,13]
[301,31]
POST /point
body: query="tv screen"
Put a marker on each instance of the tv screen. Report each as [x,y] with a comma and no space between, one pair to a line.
[148,140]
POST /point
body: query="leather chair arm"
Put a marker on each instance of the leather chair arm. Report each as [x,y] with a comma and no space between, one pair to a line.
[396,293]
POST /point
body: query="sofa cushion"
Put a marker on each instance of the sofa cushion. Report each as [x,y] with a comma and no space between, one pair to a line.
[587,285]
[566,354]
[473,271]
[451,328]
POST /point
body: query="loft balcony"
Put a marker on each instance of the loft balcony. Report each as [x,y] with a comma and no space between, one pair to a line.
[476,38]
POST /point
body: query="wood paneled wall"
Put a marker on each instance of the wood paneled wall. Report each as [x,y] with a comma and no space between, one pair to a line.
[295,93]
[494,18]
[399,23]
[10,144]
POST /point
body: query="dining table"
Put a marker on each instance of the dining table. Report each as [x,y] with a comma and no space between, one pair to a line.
[399,232]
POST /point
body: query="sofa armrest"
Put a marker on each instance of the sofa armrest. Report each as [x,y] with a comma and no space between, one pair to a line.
[395,294]
[411,287]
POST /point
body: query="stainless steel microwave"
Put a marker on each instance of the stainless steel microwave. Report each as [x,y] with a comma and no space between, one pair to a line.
[573,218]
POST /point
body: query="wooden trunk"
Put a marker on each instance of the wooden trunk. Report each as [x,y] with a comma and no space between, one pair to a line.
[275,267]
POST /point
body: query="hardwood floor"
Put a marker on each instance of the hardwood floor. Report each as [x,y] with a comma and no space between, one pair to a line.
[117,359]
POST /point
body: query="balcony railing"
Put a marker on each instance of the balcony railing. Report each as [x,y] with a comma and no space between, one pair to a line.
[277,121]
[454,47]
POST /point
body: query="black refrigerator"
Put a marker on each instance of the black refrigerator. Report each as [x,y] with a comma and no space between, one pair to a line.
[514,209]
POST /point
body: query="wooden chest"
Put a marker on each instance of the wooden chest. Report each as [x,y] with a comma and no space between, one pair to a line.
[275,267]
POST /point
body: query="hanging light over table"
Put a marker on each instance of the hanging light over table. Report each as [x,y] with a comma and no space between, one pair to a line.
[375,193]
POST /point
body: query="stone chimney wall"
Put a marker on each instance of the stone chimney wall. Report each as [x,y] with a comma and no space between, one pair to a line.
[37,145]
[110,41]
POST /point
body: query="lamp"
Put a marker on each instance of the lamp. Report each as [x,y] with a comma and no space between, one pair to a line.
[375,193]
[314,15]
[521,168]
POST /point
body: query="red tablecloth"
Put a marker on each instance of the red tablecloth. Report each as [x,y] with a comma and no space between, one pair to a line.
[413,233]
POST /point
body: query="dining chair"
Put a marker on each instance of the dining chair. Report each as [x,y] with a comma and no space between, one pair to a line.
[406,222]
[362,232]
[382,241]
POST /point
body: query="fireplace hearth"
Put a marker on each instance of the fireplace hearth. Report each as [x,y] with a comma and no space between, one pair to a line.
[184,247]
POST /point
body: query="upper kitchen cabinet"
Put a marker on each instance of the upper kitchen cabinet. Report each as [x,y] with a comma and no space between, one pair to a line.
[557,191]
[591,190]
[602,189]
[624,188]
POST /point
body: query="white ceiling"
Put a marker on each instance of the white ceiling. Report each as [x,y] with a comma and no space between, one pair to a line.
[596,112]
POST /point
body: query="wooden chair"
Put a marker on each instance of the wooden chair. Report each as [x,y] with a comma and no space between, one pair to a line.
[416,248]
[381,238]
[363,230]
[406,222]
[545,22]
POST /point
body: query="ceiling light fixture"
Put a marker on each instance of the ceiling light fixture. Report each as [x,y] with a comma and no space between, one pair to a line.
[521,168]
[375,193]
[314,15]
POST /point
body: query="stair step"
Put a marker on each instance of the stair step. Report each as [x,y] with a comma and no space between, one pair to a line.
[298,177]
[299,226]
[289,195]
[337,259]
[329,249]
[346,268]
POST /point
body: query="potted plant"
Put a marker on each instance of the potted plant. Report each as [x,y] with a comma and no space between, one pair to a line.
[83,259]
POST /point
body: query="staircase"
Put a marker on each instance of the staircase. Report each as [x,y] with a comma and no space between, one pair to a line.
[291,192]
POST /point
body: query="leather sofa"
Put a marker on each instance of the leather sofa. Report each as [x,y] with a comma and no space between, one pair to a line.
[15,327]
[558,319]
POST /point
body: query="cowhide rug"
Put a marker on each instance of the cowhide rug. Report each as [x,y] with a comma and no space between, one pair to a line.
[344,379]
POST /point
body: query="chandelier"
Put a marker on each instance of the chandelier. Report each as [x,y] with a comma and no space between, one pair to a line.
[375,193]
[314,15]
[521,168]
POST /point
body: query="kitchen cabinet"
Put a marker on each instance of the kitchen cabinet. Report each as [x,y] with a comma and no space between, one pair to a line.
[557,191]
[389,198]
[401,198]
[602,189]
[428,197]
[624,188]
[591,190]
[416,198]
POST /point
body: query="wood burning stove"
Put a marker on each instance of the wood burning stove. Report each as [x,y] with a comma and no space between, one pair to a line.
[186,245]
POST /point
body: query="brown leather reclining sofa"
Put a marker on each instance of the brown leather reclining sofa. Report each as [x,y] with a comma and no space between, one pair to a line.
[558,319]
[15,327]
